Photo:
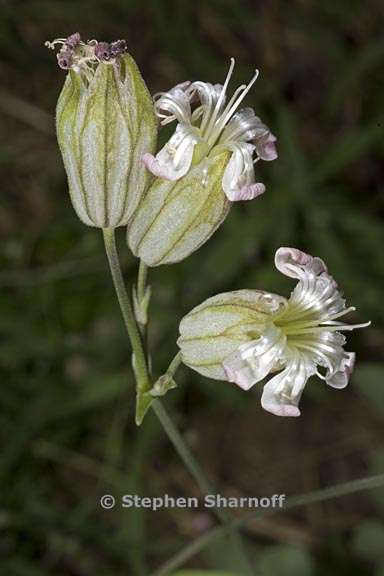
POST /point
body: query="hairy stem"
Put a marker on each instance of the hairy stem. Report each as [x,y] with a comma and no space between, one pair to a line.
[174,365]
[140,362]
[144,384]
[142,280]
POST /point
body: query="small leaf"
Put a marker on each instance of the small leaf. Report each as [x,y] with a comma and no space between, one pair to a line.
[143,402]
[369,379]
[349,148]
[162,385]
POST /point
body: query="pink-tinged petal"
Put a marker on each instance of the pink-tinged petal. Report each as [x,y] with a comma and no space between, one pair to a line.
[285,410]
[291,261]
[239,176]
[272,402]
[173,161]
[266,148]
[246,192]
[340,378]
[154,166]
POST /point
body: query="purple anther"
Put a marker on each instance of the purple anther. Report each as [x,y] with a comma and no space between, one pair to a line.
[65,59]
[118,47]
[73,40]
[103,51]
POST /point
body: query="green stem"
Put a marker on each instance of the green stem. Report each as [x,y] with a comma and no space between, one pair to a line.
[201,480]
[144,383]
[142,280]
[140,363]
[174,365]
[321,495]
[181,448]
[141,293]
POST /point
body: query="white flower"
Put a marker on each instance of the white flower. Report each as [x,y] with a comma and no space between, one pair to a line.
[303,338]
[212,126]
[246,335]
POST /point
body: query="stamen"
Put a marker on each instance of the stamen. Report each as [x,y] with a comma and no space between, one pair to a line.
[338,315]
[220,99]
[294,330]
[214,130]
[84,57]
[319,352]
[51,44]
[232,107]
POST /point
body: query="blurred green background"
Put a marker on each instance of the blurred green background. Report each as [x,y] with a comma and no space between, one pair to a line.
[67,402]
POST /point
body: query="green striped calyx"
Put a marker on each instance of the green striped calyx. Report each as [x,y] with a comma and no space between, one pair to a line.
[217,327]
[105,122]
[174,218]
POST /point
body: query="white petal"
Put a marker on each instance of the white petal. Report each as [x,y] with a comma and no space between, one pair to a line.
[281,395]
[174,104]
[340,378]
[239,176]
[175,158]
[254,360]
[208,94]
[292,262]
[244,126]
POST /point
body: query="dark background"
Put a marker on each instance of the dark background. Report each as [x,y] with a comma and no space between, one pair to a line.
[66,402]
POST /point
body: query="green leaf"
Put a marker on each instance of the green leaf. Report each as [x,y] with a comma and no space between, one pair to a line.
[369,378]
[285,561]
[228,553]
[370,57]
[349,148]
[379,571]
[368,540]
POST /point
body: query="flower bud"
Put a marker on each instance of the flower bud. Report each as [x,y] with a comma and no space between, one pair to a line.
[175,217]
[105,122]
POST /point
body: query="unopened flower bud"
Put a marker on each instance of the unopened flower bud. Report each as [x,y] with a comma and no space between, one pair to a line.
[105,122]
